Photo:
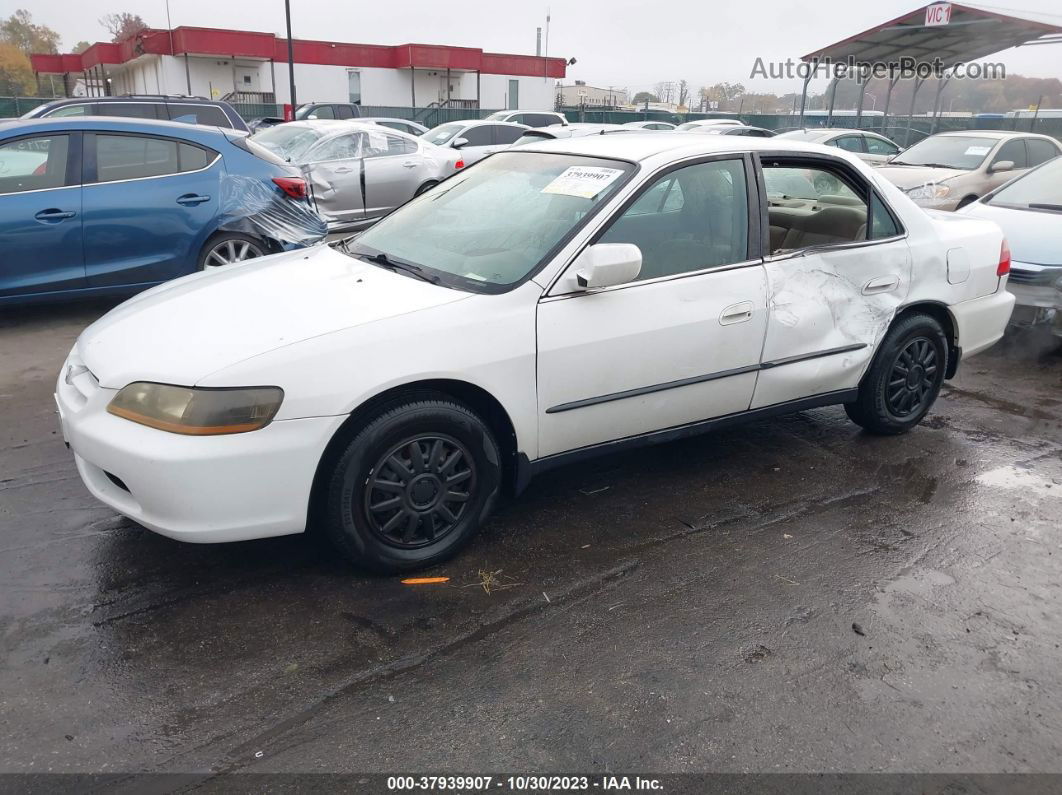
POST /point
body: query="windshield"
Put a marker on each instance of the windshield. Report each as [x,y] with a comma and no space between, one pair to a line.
[288,141]
[489,227]
[1038,190]
[441,134]
[947,151]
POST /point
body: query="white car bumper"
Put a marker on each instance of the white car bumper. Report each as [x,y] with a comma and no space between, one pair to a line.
[201,489]
[980,322]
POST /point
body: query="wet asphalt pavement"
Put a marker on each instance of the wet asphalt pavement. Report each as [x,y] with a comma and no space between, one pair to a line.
[790,596]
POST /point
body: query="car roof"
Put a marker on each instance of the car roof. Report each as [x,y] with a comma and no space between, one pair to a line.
[1000,134]
[477,122]
[639,146]
[117,123]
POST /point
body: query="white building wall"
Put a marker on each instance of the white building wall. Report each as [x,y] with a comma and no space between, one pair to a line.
[213,77]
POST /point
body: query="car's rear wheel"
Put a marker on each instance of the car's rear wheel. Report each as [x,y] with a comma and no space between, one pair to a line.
[427,186]
[228,248]
[904,378]
[412,486]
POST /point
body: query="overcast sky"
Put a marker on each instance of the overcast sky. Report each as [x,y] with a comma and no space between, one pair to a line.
[625,43]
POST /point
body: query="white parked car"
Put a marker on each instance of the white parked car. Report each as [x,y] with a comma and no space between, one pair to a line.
[869,146]
[548,304]
[693,125]
[530,118]
[1029,209]
[650,125]
[475,139]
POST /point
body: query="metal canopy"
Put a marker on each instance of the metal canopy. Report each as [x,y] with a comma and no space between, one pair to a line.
[940,34]
[970,33]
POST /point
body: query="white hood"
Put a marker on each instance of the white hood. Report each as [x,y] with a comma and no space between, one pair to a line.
[1034,237]
[183,331]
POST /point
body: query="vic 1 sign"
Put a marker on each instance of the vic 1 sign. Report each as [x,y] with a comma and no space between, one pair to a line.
[938,14]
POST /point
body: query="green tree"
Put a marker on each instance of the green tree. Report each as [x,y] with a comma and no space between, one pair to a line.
[16,74]
[19,31]
[81,46]
[122,25]
[644,96]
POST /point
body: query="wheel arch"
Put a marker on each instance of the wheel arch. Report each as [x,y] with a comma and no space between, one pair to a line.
[942,314]
[479,400]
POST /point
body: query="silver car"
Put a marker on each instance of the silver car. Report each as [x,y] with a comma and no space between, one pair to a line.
[532,118]
[575,130]
[358,172]
[475,139]
[402,125]
[867,146]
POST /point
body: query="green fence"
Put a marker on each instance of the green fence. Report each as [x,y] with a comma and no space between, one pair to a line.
[897,127]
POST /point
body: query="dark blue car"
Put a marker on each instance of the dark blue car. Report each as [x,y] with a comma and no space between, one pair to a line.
[91,206]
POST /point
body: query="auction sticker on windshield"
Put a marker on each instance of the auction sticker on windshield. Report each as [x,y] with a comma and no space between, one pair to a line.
[584,182]
[977,150]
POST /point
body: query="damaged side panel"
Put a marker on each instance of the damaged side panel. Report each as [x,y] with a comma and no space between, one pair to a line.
[256,208]
[828,310]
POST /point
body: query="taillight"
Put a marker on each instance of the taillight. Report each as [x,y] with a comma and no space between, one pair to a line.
[295,187]
[459,164]
[1004,259]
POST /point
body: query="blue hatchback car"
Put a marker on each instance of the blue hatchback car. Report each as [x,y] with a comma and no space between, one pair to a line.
[91,206]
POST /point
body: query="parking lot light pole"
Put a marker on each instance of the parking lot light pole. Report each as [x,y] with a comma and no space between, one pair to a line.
[291,56]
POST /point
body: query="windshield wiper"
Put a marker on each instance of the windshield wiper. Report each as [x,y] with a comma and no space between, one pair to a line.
[399,266]
[1057,208]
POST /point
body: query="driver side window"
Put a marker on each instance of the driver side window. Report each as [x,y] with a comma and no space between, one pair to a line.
[688,220]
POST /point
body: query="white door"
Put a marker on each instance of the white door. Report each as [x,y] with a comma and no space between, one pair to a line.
[680,344]
[834,280]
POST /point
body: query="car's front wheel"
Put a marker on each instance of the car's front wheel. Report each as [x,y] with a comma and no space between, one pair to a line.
[412,486]
[228,248]
[904,378]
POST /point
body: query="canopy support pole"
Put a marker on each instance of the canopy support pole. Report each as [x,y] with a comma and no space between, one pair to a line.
[888,99]
[910,114]
[936,102]
[862,86]
[804,96]
[833,96]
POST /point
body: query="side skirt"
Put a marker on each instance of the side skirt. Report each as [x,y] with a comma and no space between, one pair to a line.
[526,469]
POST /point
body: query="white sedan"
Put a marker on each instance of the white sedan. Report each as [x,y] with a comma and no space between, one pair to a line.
[547,304]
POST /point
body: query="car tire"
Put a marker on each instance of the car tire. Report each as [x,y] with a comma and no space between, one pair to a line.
[904,379]
[964,201]
[229,247]
[427,186]
[412,487]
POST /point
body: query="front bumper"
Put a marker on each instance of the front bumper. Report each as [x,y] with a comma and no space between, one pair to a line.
[1038,290]
[202,489]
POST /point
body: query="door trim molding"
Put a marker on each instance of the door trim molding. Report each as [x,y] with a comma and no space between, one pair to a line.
[700,379]
[527,469]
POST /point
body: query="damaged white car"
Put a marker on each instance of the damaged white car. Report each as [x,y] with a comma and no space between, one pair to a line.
[547,304]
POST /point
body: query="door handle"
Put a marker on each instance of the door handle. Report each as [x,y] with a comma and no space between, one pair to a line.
[192,199]
[736,313]
[54,214]
[409,165]
[882,284]
[343,170]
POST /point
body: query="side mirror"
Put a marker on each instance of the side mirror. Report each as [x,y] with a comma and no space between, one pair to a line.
[607,264]
[459,142]
[1001,165]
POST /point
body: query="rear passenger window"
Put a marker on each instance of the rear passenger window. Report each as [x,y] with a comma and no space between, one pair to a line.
[193,158]
[1040,151]
[199,114]
[882,223]
[129,110]
[121,157]
[688,220]
[344,112]
[382,145]
[506,135]
[811,206]
[33,164]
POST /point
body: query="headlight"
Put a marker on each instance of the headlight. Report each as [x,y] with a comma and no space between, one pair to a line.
[197,412]
[931,190]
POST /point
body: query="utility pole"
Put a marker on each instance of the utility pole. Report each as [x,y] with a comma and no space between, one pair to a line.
[291,56]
